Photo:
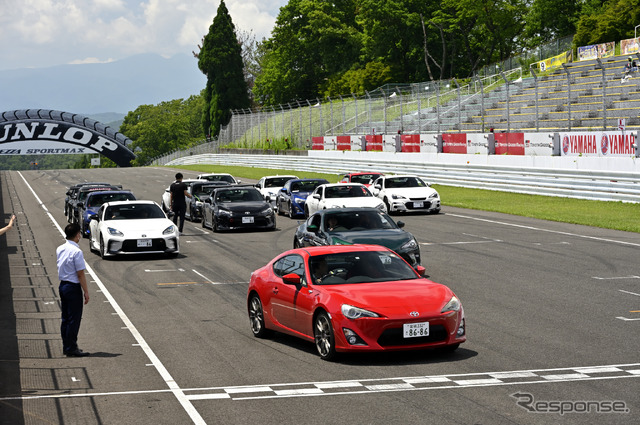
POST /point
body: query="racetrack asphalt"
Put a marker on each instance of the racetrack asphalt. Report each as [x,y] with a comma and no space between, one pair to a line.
[553,317]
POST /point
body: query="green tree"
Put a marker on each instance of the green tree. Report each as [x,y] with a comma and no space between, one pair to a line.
[311,41]
[157,130]
[220,59]
[611,20]
[547,20]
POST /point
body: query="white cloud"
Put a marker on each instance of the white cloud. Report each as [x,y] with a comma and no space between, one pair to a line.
[41,33]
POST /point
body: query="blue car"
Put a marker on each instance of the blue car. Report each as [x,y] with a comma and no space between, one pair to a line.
[293,195]
[94,201]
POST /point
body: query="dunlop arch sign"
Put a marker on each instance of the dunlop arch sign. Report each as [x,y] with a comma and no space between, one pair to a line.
[46,132]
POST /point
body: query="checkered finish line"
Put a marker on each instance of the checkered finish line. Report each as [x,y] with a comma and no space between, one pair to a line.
[415,383]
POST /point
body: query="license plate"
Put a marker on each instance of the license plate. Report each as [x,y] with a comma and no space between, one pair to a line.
[418,205]
[247,220]
[412,330]
[144,243]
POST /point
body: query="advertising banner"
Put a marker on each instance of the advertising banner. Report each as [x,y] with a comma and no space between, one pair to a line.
[509,143]
[604,50]
[556,61]
[374,142]
[317,143]
[410,143]
[344,143]
[454,143]
[630,46]
[429,143]
[605,143]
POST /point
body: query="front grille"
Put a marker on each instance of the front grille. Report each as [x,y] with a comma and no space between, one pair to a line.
[393,337]
[131,246]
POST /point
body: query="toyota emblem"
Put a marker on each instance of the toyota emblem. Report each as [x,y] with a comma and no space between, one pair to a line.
[414,314]
[144,236]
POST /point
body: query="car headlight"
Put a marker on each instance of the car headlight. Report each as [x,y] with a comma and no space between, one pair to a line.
[114,232]
[381,207]
[224,212]
[394,196]
[409,246]
[351,312]
[169,230]
[434,195]
[453,305]
[267,211]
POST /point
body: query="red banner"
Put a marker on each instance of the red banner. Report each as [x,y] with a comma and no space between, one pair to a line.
[509,143]
[454,143]
[374,142]
[317,143]
[344,143]
[410,142]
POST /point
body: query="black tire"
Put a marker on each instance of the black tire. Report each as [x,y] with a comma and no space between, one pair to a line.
[324,337]
[256,317]
[103,248]
[214,224]
[306,212]
[84,230]
[279,207]
[296,244]
[204,224]
[290,213]
[386,204]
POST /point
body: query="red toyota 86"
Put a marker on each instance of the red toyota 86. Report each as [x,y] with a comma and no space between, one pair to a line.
[353,298]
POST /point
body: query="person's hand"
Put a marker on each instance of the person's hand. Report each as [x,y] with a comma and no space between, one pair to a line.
[12,219]
[86,298]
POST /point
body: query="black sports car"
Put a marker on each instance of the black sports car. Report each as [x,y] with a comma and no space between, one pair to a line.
[237,207]
[200,190]
[346,226]
[293,195]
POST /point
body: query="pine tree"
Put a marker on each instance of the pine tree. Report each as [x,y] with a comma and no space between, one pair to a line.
[220,59]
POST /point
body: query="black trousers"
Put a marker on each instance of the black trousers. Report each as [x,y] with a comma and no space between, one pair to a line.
[72,301]
[179,212]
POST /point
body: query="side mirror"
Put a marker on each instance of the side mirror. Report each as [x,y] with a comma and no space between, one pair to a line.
[378,186]
[312,228]
[167,190]
[291,279]
[80,205]
[239,181]
[93,217]
[207,200]
[400,224]
[316,196]
[421,270]
[283,190]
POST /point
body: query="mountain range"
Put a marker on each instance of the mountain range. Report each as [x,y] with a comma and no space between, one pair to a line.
[103,91]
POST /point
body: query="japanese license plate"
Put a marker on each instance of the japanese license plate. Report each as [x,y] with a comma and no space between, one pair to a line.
[247,220]
[412,330]
[144,243]
[418,205]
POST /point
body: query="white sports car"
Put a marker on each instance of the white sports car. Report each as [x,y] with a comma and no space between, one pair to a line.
[133,227]
[406,193]
[270,186]
[341,195]
[166,196]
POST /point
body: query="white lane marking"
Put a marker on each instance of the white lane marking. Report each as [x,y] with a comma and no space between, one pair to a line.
[207,279]
[163,271]
[616,277]
[595,238]
[74,379]
[164,373]
[375,385]
[626,319]
[458,243]
[630,293]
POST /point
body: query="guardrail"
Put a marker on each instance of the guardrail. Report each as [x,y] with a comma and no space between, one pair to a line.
[582,184]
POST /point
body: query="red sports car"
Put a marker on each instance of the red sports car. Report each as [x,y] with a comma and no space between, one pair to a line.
[353,298]
[364,178]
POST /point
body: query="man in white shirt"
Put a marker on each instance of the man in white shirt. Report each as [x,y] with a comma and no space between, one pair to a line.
[73,289]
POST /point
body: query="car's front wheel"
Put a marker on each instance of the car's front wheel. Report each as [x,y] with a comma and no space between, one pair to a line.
[290,214]
[103,249]
[204,222]
[324,337]
[256,317]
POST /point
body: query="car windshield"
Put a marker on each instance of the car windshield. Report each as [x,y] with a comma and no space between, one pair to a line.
[219,178]
[96,200]
[346,191]
[203,190]
[397,182]
[238,195]
[364,178]
[357,221]
[277,181]
[359,267]
[133,212]
[306,186]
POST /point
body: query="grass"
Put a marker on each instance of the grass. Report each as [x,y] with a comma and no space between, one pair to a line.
[607,215]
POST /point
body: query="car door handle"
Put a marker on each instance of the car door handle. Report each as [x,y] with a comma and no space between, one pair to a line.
[275,290]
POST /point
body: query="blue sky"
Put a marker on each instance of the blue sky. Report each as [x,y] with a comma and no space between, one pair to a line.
[44,33]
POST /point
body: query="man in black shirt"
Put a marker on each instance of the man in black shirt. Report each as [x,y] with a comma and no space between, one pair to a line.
[178,191]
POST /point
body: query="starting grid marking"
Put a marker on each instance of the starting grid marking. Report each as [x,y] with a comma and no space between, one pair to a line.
[381,385]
